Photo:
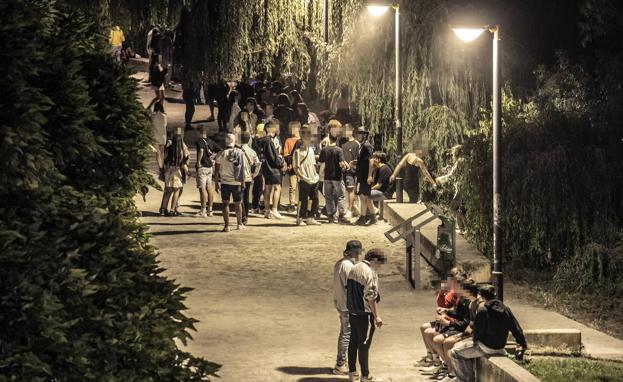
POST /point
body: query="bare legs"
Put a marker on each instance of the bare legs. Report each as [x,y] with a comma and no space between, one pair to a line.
[226,213]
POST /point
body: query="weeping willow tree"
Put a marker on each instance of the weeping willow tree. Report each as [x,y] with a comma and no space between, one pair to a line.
[437,72]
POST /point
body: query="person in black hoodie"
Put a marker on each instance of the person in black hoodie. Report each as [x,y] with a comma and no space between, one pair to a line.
[492,323]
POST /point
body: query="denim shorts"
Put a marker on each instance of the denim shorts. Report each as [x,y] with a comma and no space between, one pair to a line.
[230,190]
[349,180]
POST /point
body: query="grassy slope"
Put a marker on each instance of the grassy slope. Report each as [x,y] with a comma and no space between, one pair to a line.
[575,369]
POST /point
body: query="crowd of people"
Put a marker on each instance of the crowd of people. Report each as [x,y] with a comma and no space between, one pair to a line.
[470,322]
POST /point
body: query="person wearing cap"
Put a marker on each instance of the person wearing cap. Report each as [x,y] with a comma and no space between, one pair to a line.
[340,280]
[492,323]
[362,297]
[364,176]
[229,178]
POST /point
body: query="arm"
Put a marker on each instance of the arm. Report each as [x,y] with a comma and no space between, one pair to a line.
[398,168]
[199,158]
[516,330]
[217,176]
[370,171]
[377,318]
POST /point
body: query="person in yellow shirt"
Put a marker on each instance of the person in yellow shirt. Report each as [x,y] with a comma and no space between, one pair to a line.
[116,40]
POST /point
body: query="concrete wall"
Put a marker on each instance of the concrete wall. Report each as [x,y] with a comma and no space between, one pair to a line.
[502,369]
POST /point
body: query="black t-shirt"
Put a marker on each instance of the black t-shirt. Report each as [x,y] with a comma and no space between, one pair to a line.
[209,147]
[363,162]
[351,151]
[381,176]
[331,156]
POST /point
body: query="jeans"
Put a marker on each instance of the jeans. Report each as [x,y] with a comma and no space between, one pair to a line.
[307,192]
[245,199]
[377,196]
[258,190]
[292,180]
[334,191]
[361,332]
[343,339]
[463,355]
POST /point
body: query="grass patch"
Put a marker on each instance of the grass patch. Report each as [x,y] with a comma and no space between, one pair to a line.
[575,369]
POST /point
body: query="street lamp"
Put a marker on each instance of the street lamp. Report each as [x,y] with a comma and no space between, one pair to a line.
[468,34]
[379,9]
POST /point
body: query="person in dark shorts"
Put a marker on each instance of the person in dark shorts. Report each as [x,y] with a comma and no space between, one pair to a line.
[350,147]
[229,178]
[272,166]
[210,92]
[364,175]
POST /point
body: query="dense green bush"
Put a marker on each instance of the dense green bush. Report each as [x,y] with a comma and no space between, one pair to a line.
[82,297]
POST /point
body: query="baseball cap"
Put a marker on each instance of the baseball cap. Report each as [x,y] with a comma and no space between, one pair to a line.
[352,246]
[230,140]
[361,130]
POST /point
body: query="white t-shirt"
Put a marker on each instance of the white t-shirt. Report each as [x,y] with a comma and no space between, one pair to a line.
[250,158]
[305,161]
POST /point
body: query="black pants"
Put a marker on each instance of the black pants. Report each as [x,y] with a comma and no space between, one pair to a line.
[246,201]
[361,332]
[190,111]
[258,190]
[306,192]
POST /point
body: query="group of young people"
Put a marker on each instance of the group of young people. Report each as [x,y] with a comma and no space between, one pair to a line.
[470,323]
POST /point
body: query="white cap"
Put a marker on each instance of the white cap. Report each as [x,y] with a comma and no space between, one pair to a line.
[230,140]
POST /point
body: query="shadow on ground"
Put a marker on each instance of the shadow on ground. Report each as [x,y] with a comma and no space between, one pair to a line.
[299,370]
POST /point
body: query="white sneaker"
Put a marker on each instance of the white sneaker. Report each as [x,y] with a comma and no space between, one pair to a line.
[277,215]
[352,377]
[225,229]
[370,378]
[300,222]
[241,227]
[348,215]
[201,214]
[340,369]
[312,221]
[268,215]
[210,213]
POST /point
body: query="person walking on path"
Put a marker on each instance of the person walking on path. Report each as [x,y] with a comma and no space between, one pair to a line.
[333,158]
[341,271]
[252,168]
[175,165]
[116,40]
[229,178]
[206,151]
[304,165]
[492,324]
[362,296]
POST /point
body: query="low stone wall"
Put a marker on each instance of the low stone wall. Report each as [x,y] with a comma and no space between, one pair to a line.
[502,369]
[563,340]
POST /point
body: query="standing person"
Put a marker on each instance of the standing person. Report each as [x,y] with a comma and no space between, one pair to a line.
[413,160]
[159,122]
[250,106]
[252,168]
[271,169]
[341,270]
[340,104]
[492,323]
[150,51]
[285,115]
[221,102]
[158,72]
[229,178]
[333,158]
[258,182]
[233,108]
[288,151]
[206,151]
[362,296]
[210,93]
[304,165]
[351,151]
[364,176]
[116,40]
[242,124]
[306,117]
[188,95]
[175,164]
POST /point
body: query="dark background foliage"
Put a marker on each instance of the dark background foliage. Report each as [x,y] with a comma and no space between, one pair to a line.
[81,293]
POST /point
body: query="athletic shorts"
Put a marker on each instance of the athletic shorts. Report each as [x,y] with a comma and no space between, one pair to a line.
[271,177]
[233,191]
[204,177]
[363,188]
[212,93]
[349,180]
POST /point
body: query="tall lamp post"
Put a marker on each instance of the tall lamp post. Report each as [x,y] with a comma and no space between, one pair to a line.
[468,34]
[379,9]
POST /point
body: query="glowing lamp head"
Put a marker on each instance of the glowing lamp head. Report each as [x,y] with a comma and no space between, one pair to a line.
[468,34]
[377,10]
